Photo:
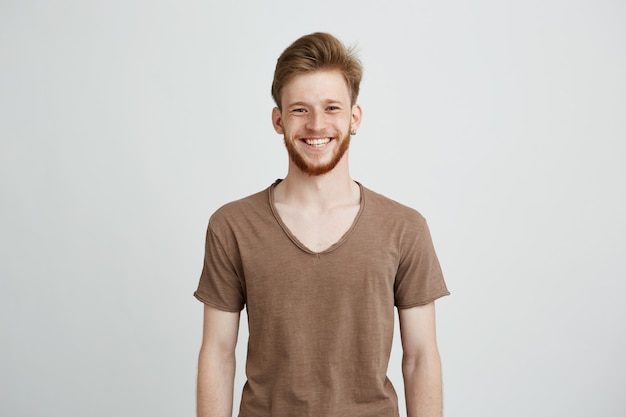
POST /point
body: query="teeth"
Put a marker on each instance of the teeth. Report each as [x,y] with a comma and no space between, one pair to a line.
[317,142]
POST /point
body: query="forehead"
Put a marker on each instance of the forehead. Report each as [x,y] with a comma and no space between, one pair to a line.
[316,86]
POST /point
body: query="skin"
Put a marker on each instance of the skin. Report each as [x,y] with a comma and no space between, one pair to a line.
[421,364]
[318,201]
[316,107]
[317,208]
[216,363]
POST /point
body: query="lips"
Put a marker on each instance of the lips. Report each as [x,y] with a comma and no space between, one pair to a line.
[317,142]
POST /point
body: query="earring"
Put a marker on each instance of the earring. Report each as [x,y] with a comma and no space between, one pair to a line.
[353,132]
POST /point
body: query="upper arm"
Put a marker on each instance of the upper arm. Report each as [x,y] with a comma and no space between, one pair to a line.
[418,330]
[220,330]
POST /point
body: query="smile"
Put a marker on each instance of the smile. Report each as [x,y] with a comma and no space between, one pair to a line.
[317,142]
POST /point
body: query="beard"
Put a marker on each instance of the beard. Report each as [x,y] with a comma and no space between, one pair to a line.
[313,169]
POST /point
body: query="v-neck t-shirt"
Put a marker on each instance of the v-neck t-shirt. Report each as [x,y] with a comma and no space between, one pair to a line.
[320,323]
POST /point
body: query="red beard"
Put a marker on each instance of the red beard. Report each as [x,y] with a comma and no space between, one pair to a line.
[316,170]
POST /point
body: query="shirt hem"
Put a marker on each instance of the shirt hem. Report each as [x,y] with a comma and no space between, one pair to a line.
[423,302]
[216,305]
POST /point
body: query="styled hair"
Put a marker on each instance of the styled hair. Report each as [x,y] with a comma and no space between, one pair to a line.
[314,52]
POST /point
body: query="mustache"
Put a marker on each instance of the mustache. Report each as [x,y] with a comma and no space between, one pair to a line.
[317,134]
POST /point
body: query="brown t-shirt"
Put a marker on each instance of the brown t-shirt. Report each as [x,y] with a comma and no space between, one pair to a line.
[320,324]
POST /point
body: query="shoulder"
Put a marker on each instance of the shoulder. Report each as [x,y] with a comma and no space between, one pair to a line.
[238,213]
[392,211]
[251,202]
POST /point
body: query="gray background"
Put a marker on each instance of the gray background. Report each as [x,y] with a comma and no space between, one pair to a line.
[125,124]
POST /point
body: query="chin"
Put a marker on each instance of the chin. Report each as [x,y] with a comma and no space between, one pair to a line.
[318,169]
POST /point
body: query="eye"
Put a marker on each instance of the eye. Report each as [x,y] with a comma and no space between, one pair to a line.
[298,110]
[333,108]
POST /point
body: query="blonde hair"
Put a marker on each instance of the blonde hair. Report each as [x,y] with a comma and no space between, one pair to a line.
[314,52]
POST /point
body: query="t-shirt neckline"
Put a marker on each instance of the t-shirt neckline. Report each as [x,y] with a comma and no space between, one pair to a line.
[293,237]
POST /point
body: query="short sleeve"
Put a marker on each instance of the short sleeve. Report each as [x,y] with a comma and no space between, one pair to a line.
[220,285]
[419,279]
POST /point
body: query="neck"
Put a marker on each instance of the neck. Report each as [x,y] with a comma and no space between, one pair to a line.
[332,188]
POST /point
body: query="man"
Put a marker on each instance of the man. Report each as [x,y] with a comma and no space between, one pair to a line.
[320,262]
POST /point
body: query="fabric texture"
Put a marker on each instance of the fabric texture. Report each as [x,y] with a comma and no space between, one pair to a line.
[320,324]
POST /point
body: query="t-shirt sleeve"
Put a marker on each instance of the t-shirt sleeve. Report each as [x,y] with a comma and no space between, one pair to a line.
[220,285]
[419,279]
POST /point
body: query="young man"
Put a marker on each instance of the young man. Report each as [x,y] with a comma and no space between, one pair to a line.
[319,261]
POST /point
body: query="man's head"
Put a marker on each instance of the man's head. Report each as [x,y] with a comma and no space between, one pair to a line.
[316,84]
[314,52]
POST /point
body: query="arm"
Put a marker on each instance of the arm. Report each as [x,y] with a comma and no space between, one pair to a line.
[216,364]
[421,365]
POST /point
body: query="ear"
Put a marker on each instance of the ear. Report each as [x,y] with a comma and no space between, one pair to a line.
[357,114]
[277,120]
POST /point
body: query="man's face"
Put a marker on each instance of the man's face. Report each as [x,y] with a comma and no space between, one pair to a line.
[316,120]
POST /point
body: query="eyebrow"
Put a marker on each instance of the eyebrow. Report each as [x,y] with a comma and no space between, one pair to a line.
[326,102]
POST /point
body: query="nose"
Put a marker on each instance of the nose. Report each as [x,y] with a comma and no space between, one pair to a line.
[315,121]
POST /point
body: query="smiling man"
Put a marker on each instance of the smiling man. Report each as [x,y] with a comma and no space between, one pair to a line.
[320,262]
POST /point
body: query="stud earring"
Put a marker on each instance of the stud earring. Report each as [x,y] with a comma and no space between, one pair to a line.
[353,132]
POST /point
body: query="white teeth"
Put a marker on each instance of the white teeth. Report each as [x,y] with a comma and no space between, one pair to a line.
[317,142]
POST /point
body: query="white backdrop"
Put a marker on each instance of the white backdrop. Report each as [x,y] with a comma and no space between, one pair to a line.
[125,124]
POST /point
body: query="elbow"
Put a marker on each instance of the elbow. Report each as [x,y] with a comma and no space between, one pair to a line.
[413,360]
[220,355]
